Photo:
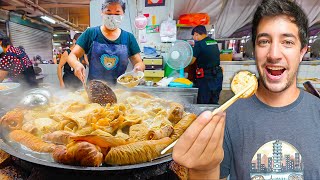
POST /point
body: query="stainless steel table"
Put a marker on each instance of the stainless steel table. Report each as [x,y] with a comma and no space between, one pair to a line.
[183,95]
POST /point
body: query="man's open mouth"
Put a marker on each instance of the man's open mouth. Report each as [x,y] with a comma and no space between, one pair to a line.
[275,70]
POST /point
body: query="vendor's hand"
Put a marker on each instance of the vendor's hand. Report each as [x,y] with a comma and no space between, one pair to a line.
[139,67]
[200,147]
[62,86]
[80,72]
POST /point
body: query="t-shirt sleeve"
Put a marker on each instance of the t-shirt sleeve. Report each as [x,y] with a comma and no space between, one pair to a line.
[84,41]
[225,165]
[133,45]
[6,63]
[196,50]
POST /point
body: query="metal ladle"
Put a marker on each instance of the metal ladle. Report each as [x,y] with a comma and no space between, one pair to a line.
[99,92]
[43,91]
[34,100]
[36,97]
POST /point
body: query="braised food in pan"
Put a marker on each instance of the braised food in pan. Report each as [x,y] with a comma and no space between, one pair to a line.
[76,132]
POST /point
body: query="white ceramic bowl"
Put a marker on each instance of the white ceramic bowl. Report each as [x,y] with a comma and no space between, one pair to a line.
[131,84]
[9,87]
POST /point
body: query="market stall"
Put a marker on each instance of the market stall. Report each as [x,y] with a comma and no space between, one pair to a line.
[163,31]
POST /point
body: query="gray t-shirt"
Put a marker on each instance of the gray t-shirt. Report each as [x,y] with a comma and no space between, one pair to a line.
[263,142]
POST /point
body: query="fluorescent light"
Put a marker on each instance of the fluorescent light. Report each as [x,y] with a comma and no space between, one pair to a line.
[55,35]
[48,19]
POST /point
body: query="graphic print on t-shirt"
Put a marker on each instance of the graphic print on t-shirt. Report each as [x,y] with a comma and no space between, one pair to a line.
[277,160]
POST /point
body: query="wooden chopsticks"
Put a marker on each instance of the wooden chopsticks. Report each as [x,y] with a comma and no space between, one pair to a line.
[220,109]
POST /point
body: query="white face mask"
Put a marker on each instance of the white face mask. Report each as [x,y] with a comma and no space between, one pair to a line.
[112,22]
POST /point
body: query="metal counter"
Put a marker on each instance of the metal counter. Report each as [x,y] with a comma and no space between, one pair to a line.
[199,108]
[183,95]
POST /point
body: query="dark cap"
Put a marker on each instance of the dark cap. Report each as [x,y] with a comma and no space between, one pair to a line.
[200,29]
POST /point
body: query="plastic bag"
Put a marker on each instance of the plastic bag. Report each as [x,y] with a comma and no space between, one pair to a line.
[149,51]
[168,28]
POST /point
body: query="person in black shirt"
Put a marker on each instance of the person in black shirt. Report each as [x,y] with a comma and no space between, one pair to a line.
[69,80]
[209,75]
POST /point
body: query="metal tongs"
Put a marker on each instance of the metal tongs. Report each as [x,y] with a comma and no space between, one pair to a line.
[311,89]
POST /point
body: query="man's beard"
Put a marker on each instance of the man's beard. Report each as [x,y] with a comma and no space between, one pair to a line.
[290,80]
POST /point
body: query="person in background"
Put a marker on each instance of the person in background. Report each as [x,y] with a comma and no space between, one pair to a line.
[22,48]
[15,64]
[69,80]
[108,47]
[208,75]
[275,133]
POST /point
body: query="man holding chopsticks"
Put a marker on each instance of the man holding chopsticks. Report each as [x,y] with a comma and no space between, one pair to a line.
[273,134]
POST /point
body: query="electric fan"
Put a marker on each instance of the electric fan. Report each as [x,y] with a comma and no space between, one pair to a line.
[179,56]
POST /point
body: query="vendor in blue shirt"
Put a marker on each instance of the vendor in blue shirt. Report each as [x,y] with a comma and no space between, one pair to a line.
[108,47]
[209,75]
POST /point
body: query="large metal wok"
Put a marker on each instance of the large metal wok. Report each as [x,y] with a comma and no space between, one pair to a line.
[30,161]
[136,171]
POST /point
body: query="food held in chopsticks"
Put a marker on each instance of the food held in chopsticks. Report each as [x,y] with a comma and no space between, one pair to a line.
[244,85]
[243,79]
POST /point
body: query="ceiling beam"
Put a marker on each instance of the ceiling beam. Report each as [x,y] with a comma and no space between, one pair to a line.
[48,6]
[9,8]
[35,9]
